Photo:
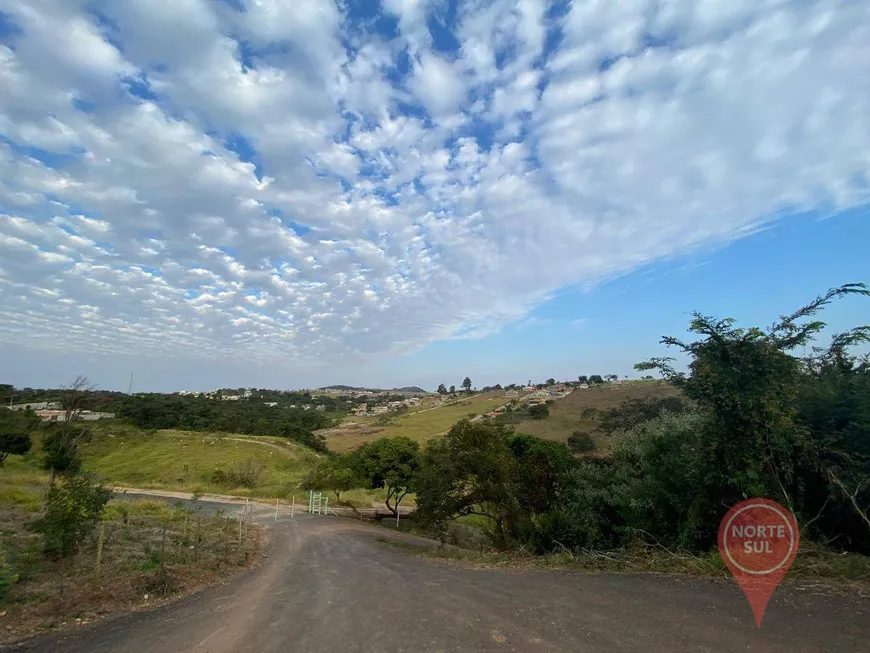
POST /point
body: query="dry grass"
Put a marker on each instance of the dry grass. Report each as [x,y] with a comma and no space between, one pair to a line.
[420,426]
[150,552]
[566,415]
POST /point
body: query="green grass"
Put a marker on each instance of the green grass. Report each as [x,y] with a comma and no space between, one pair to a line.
[180,461]
[20,498]
[420,426]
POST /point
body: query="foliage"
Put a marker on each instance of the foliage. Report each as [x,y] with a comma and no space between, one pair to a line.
[539,411]
[635,411]
[580,442]
[595,379]
[466,383]
[452,389]
[60,447]
[442,389]
[15,429]
[582,379]
[339,473]
[481,468]
[191,413]
[758,438]
[390,463]
[72,509]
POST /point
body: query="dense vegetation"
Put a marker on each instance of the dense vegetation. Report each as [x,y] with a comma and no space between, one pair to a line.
[753,420]
[188,413]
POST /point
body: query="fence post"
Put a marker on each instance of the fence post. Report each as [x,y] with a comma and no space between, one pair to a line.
[293,507]
[240,530]
[276,510]
[99,552]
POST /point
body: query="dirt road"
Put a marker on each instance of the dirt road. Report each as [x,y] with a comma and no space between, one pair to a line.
[330,585]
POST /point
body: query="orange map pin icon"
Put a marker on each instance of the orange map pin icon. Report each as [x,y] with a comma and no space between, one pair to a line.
[758,541]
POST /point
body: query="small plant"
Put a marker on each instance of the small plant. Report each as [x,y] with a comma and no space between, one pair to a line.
[72,509]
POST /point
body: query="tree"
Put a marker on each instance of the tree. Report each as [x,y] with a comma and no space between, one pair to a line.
[746,384]
[583,378]
[551,381]
[60,450]
[390,463]
[539,411]
[72,509]
[595,379]
[453,389]
[442,389]
[466,383]
[339,474]
[15,428]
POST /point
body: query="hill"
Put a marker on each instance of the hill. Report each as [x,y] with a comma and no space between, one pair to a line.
[221,463]
[411,389]
[420,425]
[572,413]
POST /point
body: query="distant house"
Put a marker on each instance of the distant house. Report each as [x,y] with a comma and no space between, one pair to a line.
[270,403]
[60,415]
[39,405]
[511,393]
[584,386]
[320,408]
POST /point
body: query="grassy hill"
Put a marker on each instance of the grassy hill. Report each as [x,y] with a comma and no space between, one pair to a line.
[125,456]
[420,425]
[566,415]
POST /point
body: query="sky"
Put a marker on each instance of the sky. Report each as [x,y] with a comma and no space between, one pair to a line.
[286,194]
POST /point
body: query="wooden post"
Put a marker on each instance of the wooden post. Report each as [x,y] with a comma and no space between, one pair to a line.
[293,507]
[276,510]
[240,529]
[99,552]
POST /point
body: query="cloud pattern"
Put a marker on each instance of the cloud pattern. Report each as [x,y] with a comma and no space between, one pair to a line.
[297,183]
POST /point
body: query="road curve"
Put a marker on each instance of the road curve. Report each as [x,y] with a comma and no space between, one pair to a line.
[330,585]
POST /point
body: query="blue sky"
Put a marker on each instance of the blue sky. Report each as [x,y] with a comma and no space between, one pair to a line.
[269,193]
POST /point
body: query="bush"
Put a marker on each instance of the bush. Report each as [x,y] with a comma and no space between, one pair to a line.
[539,411]
[72,509]
[246,473]
[8,576]
[580,442]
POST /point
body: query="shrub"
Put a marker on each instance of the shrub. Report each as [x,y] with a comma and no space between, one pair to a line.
[72,509]
[539,411]
[246,473]
[580,442]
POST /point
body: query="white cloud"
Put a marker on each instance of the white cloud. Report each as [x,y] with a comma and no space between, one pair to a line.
[186,179]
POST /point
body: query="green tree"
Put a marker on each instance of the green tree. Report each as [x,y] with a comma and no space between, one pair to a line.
[453,389]
[745,383]
[72,509]
[539,411]
[15,429]
[466,383]
[339,474]
[595,379]
[60,449]
[390,463]
[583,378]
[442,389]
[551,381]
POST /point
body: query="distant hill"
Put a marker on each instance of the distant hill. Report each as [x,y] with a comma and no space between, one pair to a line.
[407,389]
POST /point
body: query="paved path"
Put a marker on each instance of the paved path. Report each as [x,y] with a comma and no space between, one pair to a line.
[330,585]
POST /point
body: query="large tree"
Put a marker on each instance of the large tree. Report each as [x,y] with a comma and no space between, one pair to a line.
[746,384]
[442,389]
[390,463]
[466,383]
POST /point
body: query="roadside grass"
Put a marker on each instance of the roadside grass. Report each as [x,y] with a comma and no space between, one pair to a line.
[187,461]
[150,552]
[420,426]
[566,414]
[850,571]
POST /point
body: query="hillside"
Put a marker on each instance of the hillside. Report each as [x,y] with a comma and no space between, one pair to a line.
[121,455]
[421,425]
[566,415]
[411,389]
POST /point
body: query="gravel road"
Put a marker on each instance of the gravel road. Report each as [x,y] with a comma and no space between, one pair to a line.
[329,585]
